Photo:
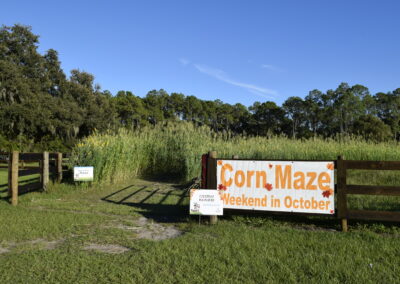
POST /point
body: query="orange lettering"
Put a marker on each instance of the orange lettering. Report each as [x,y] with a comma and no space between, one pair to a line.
[327,204]
[299,183]
[225,198]
[239,174]
[251,201]
[288,201]
[249,175]
[282,179]
[224,168]
[259,175]
[312,176]
[238,201]
[323,181]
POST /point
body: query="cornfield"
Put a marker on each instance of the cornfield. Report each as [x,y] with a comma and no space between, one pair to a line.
[175,151]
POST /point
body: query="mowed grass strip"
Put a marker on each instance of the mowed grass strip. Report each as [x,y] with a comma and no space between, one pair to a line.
[226,253]
[239,249]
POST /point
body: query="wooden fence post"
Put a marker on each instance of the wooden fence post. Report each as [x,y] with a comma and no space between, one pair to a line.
[212,177]
[45,170]
[14,177]
[59,167]
[9,174]
[341,187]
[204,159]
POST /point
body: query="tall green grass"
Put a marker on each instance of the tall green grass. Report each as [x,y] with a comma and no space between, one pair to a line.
[175,151]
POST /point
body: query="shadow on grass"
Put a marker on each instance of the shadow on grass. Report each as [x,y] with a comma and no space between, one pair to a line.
[158,211]
[21,191]
[169,207]
[163,210]
[170,179]
[164,213]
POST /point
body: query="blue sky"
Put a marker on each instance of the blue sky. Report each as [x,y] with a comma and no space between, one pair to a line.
[235,51]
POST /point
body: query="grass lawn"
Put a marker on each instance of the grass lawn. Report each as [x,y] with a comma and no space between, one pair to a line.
[100,235]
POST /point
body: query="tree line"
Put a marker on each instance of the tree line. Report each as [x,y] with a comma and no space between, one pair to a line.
[40,107]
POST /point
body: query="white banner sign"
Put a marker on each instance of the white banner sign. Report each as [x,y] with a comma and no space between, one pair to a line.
[83,173]
[289,186]
[205,202]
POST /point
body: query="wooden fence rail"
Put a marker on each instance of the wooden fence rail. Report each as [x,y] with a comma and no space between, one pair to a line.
[49,163]
[345,189]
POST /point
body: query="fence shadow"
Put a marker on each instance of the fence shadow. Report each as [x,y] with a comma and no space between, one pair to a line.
[158,211]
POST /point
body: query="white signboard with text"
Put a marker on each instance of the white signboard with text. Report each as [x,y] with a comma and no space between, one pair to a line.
[83,173]
[205,202]
[287,186]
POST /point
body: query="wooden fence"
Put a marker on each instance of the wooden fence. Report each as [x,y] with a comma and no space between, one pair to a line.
[20,165]
[342,189]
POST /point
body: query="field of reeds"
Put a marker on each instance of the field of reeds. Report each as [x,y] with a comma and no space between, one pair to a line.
[175,151]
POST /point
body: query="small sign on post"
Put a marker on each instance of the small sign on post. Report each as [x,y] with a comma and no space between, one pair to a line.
[205,202]
[83,173]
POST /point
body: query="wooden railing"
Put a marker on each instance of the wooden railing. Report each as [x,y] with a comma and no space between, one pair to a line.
[49,164]
[345,189]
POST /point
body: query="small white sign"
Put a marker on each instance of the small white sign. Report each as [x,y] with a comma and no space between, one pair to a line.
[205,202]
[83,173]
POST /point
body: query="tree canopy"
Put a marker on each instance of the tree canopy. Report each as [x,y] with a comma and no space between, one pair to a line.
[40,106]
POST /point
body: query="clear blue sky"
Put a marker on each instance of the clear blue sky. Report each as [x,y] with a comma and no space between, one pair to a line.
[236,51]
